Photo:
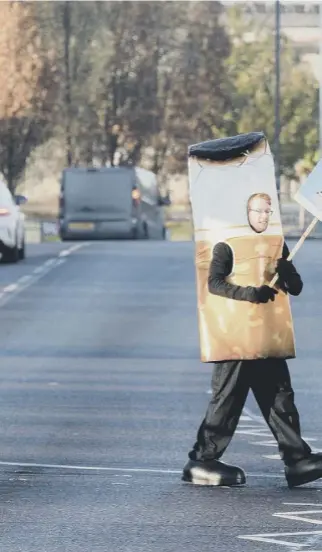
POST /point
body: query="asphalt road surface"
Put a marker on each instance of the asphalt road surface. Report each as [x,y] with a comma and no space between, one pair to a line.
[102,392]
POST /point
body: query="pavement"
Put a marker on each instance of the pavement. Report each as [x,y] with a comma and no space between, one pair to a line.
[101,395]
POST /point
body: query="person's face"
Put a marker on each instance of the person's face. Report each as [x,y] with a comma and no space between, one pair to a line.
[259,212]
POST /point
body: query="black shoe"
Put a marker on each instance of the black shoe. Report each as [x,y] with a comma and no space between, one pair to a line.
[213,472]
[304,471]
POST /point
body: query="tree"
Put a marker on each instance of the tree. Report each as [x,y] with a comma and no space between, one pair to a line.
[126,102]
[145,78]
[251,71]
[23,88]
[200,95]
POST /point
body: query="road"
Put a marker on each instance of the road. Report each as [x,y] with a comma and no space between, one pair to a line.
[101,395]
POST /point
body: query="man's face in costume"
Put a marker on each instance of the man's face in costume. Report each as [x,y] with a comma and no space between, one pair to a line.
[259,212]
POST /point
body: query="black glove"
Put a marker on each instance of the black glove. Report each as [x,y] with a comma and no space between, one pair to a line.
[264,294]
[285,271]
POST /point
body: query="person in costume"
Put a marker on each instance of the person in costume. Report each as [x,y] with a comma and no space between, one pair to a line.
[245,324]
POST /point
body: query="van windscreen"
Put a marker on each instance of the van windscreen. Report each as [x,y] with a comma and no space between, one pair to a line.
[104,192]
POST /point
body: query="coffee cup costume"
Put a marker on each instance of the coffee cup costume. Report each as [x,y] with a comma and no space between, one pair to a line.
[222,179]
[245,324]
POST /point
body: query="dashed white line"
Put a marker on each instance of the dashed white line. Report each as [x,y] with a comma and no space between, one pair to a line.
[78,246]
[11,290]
[59,262]
[72,249]
[39,269]
[24,279]
[49,262]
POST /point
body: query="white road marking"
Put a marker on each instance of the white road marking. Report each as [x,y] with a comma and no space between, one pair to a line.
[39,269]
[273,443]
[272,456]
[259,432]
[10,288]
[16,289]
[275,456]
[275,538]
[298,516]
[266,443]
[72,249]
[78,246]
[301,504]
[312,537]
[303,540]
[24,279]
[119,470]
[89,468]
[254,417]
[49,262]
[269,443]
[248,426]
[59,262]
[13,289]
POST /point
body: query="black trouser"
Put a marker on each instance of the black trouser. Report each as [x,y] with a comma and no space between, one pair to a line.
[270,382]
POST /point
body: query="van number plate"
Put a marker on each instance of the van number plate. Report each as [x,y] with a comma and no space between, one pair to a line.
[81,226]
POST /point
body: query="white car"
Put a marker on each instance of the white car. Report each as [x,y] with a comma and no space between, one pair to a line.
[12,226]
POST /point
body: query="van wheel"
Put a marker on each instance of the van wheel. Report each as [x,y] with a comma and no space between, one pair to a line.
[22,251]
[134,234]
[10,255]
[145,231]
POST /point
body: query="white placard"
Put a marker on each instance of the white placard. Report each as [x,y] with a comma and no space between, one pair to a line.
[309,195]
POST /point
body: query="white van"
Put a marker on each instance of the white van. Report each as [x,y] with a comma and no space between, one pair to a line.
[110,203]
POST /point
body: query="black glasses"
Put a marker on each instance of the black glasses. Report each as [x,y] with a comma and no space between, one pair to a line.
[262,212]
